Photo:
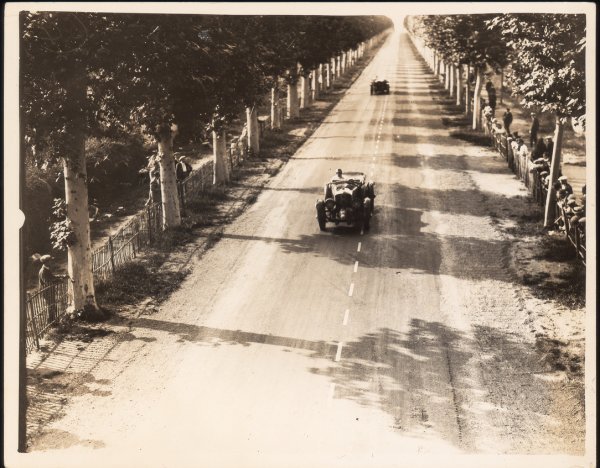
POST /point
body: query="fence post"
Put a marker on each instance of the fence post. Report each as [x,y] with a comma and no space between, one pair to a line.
[29,311]
[149,225]
[181,190]
[110,252]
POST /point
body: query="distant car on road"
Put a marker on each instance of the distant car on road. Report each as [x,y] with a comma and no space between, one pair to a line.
[380,87]
[349,200]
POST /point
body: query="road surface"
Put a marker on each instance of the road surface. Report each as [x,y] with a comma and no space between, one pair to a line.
[287,346]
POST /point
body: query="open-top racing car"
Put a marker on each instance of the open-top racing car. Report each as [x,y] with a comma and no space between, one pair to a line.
[380,86]
[347,200]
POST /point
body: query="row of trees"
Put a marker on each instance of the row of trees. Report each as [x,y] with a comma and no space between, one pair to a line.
[545,54]
[89,74]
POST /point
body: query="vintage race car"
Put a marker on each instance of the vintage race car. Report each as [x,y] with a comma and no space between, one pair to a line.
[380,87]
[349,200]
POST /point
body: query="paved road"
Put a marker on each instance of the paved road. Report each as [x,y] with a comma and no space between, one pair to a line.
[288,346]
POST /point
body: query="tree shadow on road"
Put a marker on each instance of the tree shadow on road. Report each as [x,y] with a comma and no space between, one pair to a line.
[422,378]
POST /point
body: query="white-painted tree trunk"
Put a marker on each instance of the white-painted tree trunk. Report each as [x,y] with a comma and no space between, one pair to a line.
[275,109]
[459,85]
[253,130]
[79,258]
[79,261]
[550,209]
[452,72]
[321,78]
[477,97]
[221,172]
[314,85]
[447,76]
[168,181]
[328,75]
[292,101]
[468,92]
[304,92]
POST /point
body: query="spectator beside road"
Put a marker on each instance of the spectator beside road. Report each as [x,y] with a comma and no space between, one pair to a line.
[539,149]
[491,91]
[533,130]
[549,147]
[45,279]
[507,119]
[182,169]
[564,189]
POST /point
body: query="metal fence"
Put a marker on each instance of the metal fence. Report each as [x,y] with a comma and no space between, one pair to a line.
[46,306]
[124,246]
[522,165]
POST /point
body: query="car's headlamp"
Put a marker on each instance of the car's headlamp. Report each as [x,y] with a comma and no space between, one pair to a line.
[329,203]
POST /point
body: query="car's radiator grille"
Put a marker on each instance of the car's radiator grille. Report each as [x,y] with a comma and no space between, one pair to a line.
[343,199]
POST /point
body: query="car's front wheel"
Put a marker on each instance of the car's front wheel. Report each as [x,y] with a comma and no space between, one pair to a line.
[321,217]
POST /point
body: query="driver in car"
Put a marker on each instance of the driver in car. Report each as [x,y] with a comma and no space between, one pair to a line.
[338,176]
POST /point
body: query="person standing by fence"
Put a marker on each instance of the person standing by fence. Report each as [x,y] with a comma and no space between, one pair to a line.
[533,130]
[46,279]
[549,147]
[507,119]
[491,91]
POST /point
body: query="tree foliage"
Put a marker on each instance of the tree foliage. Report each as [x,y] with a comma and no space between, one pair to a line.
[462,38]
[548,67]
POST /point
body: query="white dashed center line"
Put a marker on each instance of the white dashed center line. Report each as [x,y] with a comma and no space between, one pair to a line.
[355,266]
[351,289]
[346,315]
[338,354]
[331,392]
[359,246]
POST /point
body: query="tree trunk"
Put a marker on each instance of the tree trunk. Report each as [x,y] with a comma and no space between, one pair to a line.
[477,97]
[452,74]
[314,85]
[221,174]
[550,211]
[435,59]
[79,261]
[328,75]
[171,216]
[447,76]
[501,85]
[467,92]
[321,78]
[253,131]
[292,101]
[459,85]
[275,109]
[304,92]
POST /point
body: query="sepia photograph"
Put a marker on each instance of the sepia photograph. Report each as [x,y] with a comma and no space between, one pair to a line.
[258,235]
